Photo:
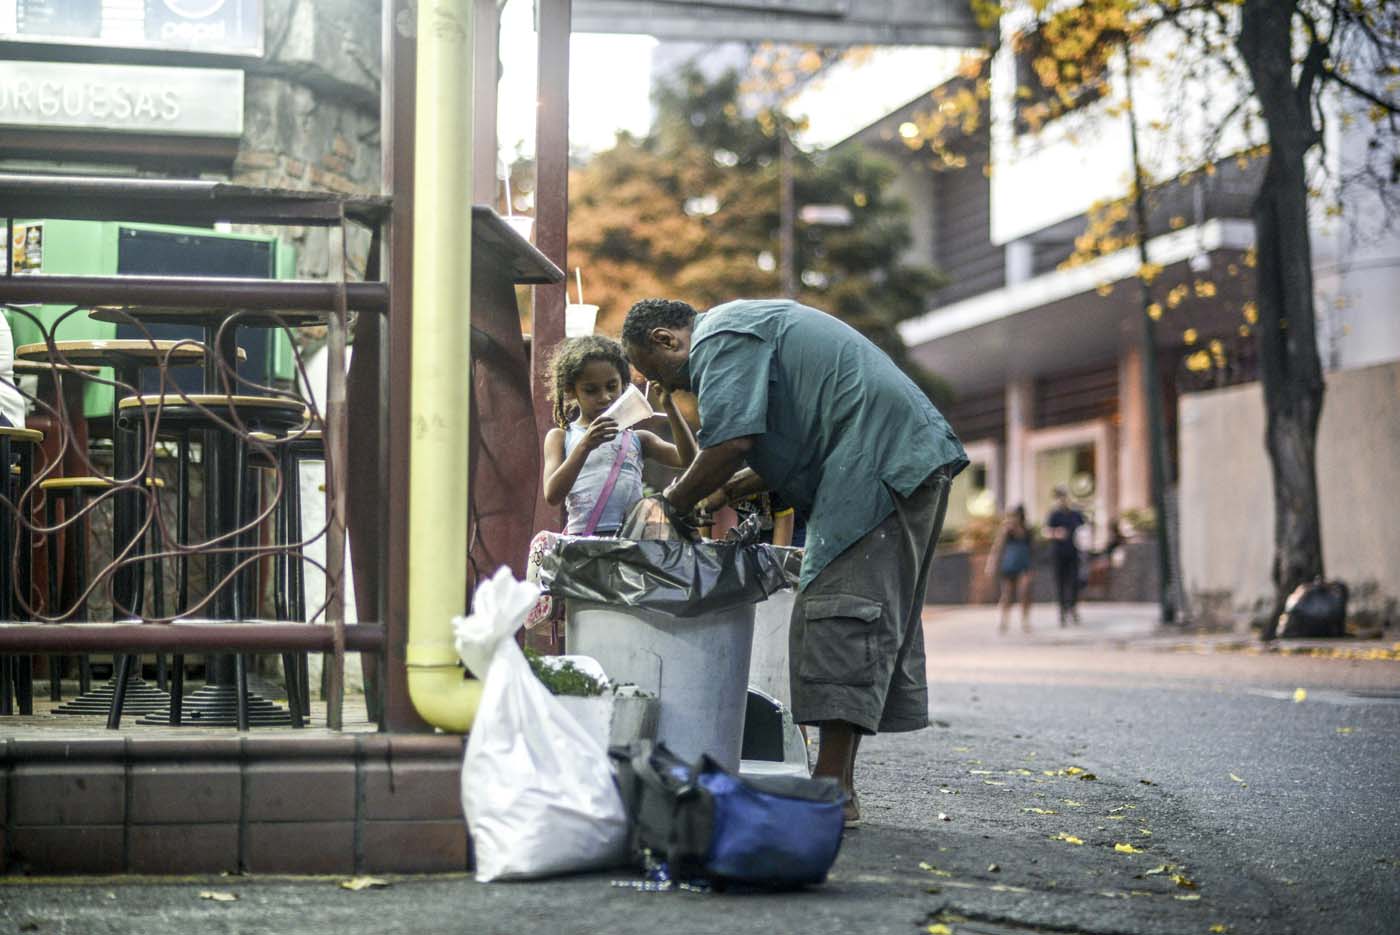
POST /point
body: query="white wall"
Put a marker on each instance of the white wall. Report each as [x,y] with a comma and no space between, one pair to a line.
[1356,255]
[1227,519]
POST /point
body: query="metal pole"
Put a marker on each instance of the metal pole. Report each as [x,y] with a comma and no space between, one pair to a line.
[1151,382]
[787,210]
[399,117]
[551,210]
[335,481]
[487,36]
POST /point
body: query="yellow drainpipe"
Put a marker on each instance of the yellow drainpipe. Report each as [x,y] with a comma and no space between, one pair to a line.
[440,385]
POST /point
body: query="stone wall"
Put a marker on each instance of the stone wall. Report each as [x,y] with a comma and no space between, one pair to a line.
[1227,518]
[311,113]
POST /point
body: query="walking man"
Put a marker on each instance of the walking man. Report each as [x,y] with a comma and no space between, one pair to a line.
[822,416]
[1062,524]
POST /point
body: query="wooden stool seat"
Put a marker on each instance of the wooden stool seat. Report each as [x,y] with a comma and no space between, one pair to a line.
[120,352]
[42,367]
[25,436]
[89,483]
[216,401]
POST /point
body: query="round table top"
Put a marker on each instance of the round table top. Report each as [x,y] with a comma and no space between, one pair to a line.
[122,352]
[206,317]
[47,366]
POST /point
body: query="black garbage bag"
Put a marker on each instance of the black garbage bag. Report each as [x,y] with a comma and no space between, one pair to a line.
[684,579]
[1316,609]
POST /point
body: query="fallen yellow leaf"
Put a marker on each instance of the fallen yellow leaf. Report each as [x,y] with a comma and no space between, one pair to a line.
[1068,838]
[1039,811]
[218,896]
[1183,881]
[938,928]
[1299,694]
[1345,730]
[930,868]
[1161,868]
[356,884]
[1238,780]
[1127,849]
[1072,804]
[1187,897]
[1219,928]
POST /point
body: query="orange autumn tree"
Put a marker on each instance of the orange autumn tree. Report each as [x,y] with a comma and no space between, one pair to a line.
[691,211]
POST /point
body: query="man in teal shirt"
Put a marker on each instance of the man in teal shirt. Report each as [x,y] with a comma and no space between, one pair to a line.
[824,417]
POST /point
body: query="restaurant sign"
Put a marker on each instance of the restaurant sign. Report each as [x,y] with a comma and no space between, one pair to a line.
[219,27]
[122,98]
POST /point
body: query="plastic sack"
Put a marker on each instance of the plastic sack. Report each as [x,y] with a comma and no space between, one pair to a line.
[1316,609]
[537,789]
[649,520]
[683,579]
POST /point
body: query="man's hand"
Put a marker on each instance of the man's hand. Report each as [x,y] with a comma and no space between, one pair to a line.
[602,431]
[715,501]
[708,472]
[659,396]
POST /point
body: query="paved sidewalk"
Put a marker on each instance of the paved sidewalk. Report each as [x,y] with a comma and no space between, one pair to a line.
[1137,626]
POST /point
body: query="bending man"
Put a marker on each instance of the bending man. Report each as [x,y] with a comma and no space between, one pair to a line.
[827,420]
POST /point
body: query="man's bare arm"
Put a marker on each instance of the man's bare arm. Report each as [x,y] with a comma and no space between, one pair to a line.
[711,468]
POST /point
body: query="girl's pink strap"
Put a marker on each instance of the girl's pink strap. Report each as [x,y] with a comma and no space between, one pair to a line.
[605,494]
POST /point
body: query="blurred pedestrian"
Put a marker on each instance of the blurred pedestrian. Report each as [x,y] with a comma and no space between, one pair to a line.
[1064,521]
[1010,562]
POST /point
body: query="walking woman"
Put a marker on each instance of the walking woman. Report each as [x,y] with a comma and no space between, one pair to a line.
[1010,561]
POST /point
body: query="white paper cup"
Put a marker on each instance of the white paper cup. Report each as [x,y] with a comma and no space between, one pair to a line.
[579,320]
[524,225]
[629,408]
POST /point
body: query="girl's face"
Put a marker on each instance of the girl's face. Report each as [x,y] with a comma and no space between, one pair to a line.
[598,386]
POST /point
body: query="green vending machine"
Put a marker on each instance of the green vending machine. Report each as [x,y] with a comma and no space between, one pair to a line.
[114,248]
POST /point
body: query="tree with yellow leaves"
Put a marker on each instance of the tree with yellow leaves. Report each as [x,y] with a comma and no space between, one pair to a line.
[1278,66]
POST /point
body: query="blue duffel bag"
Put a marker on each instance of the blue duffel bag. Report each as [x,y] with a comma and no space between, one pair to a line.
[706,823]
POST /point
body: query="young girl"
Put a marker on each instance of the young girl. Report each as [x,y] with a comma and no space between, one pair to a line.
[1010,561]
[589,466]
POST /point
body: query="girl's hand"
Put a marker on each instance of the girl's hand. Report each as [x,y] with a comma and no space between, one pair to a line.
[658,395]
[602,430]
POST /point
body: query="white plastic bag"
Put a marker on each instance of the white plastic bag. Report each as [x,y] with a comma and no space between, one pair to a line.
[537,789]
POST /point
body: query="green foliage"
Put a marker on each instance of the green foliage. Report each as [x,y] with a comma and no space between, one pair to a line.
[688,211]
[563,678]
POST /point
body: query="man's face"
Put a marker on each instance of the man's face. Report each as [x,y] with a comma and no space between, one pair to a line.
[664,358]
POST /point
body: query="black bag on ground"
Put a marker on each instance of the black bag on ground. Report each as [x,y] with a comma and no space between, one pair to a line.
[707,823]
[1316,609]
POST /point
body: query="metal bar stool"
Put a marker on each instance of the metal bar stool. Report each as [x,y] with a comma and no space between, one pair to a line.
[17,447]
[225,699]
[126,690]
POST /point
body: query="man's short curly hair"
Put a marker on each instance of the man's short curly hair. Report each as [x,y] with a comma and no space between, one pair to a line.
[655,313]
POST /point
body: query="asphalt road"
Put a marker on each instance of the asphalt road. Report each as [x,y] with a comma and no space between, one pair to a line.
[1246,811]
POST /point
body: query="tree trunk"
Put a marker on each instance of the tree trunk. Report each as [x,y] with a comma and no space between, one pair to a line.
[1290,369]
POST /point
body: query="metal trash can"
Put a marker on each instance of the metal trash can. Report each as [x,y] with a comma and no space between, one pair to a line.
[697,667]
[674,618]
[768,669]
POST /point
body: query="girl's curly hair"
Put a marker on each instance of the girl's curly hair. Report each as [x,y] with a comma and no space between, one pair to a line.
[567,363]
